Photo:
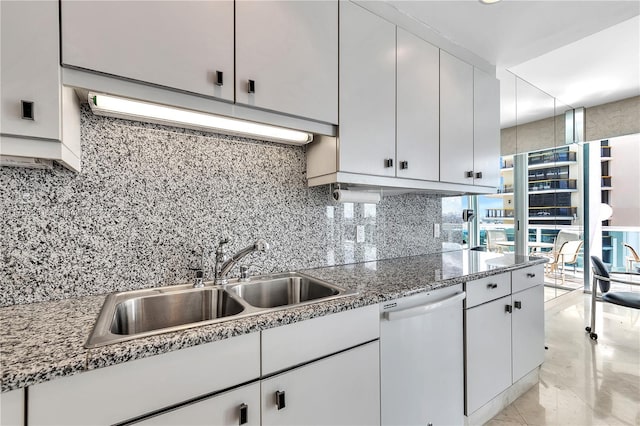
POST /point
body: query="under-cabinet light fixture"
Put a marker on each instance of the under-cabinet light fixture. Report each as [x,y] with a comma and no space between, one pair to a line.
[115,106]
[489,1]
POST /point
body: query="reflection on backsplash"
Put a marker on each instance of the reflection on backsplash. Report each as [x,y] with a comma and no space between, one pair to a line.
[150,198]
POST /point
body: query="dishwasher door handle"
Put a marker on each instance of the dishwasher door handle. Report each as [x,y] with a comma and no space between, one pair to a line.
[424,309]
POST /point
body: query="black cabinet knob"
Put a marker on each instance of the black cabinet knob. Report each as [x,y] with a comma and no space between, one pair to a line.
[244,414]
[404,164]
[388,162]
[469,174]
[280,402]
[479,175]
[219,78]
[517,304]
[507,308]
[252,86]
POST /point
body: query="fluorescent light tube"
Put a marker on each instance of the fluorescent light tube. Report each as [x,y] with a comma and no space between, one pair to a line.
[115,106]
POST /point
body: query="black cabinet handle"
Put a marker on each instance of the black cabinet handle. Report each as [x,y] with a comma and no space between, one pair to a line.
[388,162]
[252,86]
[479,175]
[27,110]
[530,275]
[469,174]
[492,286]
[404,164]
[244,414]
[280,402]
[517,304]
[507,308]
[219,78]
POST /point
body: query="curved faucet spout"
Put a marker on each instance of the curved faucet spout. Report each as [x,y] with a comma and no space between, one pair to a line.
[260,245]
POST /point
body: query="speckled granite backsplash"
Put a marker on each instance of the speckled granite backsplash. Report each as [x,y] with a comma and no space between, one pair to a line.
[149,198]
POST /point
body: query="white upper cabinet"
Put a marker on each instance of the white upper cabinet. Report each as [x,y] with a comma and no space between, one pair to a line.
[40,119]
[486,129]
[367,92]
[418,97]
[289,50]
[456,120]
[185,45]
[30,63]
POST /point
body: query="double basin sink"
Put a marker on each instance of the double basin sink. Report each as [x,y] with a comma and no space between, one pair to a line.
[133,314]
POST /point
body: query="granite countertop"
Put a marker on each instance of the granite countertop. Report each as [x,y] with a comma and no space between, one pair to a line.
[43,341]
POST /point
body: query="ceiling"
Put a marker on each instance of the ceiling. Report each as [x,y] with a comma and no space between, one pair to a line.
[584,53]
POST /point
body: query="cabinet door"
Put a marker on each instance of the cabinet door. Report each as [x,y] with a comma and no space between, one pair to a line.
[488,352]
[30,68]
[131,389]
[290,50]
[12,408]
[343,389]
[177,44]
[527,331]
[418,132]
[223,409]
[367,92]
[456,120]
[486,129]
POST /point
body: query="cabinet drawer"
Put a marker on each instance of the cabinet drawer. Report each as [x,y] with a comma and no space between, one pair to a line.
[294,344]
[113,394]
[524,278]
[488,288]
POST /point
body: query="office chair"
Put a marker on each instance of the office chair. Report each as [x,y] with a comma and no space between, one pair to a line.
[602,279]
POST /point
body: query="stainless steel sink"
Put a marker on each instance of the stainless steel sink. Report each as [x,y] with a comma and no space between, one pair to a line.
[133,314]
[149,313]
[284,290]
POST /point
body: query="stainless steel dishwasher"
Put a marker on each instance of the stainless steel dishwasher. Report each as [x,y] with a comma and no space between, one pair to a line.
[421,359]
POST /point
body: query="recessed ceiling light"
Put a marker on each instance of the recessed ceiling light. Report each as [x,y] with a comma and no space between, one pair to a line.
[488,1]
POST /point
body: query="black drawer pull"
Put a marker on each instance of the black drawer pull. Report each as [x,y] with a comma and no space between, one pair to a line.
[479,175]
[507,308]
[244,414]
[252,86]
[280,402]
[530,275]
[219,78]
[492,286]
[517,304]
[27,110]
[468,174]
[388,162]
[404,165]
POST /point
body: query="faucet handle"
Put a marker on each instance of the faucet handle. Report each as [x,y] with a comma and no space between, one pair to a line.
[221,244]
[244,273]
[198,278]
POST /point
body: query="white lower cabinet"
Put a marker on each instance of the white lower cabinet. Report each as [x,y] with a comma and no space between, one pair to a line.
[239,406]
[12,408]
[133,389]
[504,337]
[488,348]
[343,389]
[527,331]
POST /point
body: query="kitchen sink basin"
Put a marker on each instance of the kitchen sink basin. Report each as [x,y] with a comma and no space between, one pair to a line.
[143,314]
[287,290]
[132,314]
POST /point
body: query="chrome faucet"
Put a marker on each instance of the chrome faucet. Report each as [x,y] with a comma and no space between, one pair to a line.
[224,264]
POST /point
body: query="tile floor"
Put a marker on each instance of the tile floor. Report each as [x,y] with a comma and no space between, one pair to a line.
[583,382]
